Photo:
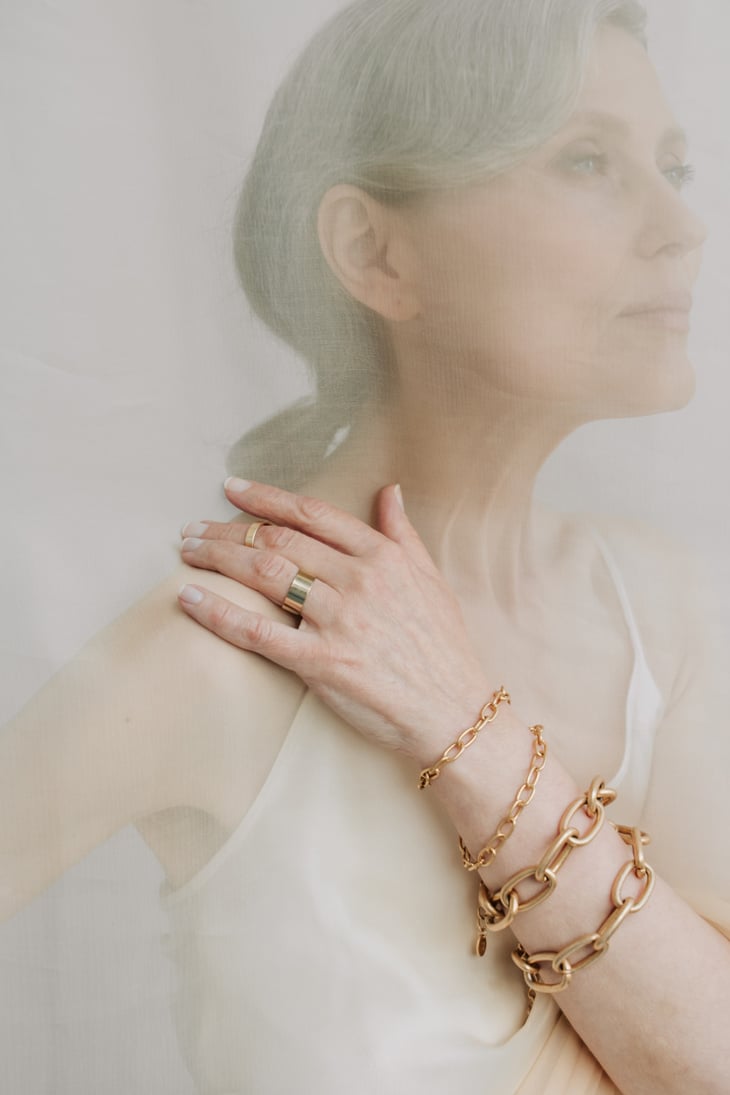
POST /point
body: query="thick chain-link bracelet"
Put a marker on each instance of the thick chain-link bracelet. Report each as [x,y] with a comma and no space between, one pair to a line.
[582,952]
[465,739]
[523,798]
[497,911]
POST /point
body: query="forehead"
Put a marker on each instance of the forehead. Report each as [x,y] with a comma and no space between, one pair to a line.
[620,80]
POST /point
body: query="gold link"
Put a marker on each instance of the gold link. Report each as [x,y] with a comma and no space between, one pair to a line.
[498,911]
[523,798]
[615,920]
[556,853]
[647,877]
[508,890]
[465,739]
[637,842]
[495,912]
[505,904]
[488,854]
[596,944]
[428,775]
[597,793]
[530,966]
[484,902]
[522,960]
[594,810]
[496,919]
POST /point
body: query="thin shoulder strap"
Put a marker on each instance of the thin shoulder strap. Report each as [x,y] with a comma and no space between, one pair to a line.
[623,596]
[644,701]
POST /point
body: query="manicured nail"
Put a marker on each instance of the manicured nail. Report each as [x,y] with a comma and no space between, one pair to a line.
[236,485]
[399,496]
[192,544]
[190,595]
[194,528]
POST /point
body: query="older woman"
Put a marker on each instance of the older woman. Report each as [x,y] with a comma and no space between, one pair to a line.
[467,217]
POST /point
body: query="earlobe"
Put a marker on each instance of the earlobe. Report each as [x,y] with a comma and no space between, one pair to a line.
[358,237]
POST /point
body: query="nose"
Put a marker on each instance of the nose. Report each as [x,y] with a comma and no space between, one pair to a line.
[669,224]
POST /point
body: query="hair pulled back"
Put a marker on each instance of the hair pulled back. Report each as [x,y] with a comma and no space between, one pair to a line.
[398,97]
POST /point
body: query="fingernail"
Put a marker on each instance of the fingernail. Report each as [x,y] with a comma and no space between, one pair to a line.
[399,496]
[194,528]
[190,595]
[236,485]
[191,544]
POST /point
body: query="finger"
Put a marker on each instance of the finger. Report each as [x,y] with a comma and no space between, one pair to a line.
[393,522]
[312,556]
[264,571]
[287,646]
[310,515]
[235,531]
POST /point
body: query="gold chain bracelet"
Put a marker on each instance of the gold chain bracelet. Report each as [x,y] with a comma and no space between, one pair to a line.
[563,962]
[465,739]
[495,912]
[507,825]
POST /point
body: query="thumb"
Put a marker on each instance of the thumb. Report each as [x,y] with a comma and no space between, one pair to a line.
[393,522]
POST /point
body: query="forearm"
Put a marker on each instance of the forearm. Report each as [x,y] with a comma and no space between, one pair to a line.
[654,1008]
[385,647]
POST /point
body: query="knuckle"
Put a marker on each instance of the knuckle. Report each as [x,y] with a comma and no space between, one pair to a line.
[388,554]
[268,566]
[257,631]
[311,511]
[359,579]
[375,575]
[281,537]
[232,533]
[221,616]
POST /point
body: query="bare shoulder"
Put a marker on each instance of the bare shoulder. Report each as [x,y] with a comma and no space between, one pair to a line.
[204,702]
[154,714]
[226,715]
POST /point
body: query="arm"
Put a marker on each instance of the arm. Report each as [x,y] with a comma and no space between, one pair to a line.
[652,1009]
[146,717]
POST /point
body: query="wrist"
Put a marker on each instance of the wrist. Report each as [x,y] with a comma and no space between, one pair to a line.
[435,759]
[476,790]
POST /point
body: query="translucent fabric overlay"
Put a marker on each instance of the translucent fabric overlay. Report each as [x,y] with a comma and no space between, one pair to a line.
[133,365]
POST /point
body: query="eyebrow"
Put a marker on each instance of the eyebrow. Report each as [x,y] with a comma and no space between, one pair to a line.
[618,125]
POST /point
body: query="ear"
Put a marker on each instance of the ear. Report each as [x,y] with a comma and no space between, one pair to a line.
[365,245]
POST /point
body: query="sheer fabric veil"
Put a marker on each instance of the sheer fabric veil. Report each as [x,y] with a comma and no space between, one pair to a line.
[135,376]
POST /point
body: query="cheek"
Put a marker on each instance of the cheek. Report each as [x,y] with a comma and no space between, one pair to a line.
[515,297]
[520,288]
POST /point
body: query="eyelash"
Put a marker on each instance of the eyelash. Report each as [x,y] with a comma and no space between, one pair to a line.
[684,173]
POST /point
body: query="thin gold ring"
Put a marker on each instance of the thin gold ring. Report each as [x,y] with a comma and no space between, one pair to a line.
[249,539]
[297,593]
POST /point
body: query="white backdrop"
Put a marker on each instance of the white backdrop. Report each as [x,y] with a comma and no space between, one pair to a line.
[126,363]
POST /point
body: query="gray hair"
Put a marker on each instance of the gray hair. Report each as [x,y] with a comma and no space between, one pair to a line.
[398,97]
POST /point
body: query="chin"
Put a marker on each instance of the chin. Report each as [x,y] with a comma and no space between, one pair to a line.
[673,385]
[685,392]
[651,384]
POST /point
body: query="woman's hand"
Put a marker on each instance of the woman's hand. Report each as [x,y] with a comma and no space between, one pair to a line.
[381,641]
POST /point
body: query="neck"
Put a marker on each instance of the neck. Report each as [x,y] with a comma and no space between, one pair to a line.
[468,477]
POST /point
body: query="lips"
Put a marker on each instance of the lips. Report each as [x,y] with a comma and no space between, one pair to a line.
[677,303]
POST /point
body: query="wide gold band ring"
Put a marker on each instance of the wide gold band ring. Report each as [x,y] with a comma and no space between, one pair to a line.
[249,539]
[297,593]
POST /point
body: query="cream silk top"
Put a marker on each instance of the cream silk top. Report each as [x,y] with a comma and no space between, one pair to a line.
[327,947]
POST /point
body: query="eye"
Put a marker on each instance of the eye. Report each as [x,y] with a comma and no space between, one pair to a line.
[680,174]
[588,165]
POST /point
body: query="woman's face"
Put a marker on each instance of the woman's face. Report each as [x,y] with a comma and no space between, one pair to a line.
[532,276]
